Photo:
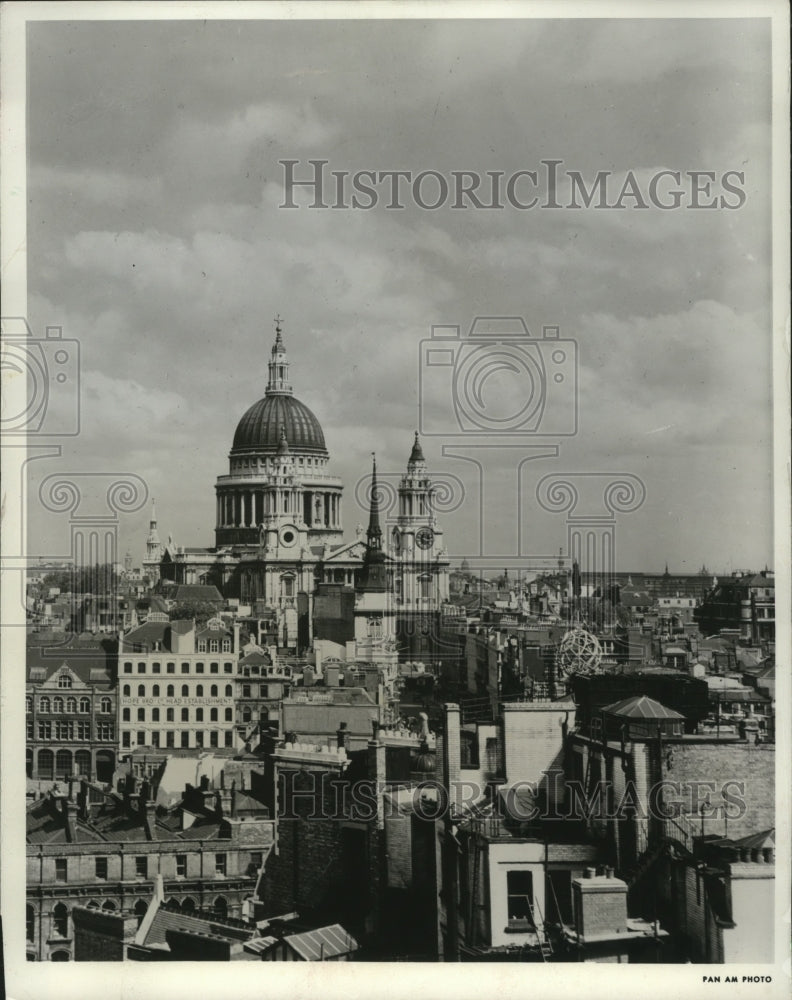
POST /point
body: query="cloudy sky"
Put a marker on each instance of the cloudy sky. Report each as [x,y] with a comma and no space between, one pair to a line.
[157,240]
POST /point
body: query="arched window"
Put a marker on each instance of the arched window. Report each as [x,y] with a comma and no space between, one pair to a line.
[199,715]
[125,716]
[105,705]
[28,704]
[71,705]
[170,690]
[59,956]
[60,920]
[46,765]
[140,911]
[127,690]
[30,923]
[64,681]
[188,905]
[214,690]
[85,706]
[155,691]
[57,705]
[82,763]
[141,690]
[44,704]
[185,691]
[221,907]
[63,764]
[229,715]
[199,691]
[213,715]
[229,691]
[109,906]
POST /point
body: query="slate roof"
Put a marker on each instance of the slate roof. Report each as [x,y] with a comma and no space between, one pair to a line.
[44,826]
[172,920]
[91,663]
[641,707]
[322,943]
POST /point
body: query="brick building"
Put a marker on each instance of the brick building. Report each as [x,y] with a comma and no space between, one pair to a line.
[71,710]
[262,685]
[103,851]
[745,602]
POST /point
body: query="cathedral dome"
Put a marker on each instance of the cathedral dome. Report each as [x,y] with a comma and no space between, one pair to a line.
[259,430]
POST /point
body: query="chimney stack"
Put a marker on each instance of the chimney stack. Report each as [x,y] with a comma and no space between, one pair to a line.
[342,736]
[149,819]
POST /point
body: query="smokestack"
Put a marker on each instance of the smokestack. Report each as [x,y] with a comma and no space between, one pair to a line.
[149,819]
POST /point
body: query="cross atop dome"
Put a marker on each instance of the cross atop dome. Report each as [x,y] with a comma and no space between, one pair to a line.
[277,347]
[279,363]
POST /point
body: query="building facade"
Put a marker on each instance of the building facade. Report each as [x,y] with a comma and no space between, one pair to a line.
[178,685]
[70,711]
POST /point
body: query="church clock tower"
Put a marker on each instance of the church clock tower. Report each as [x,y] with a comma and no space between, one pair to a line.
[421,562]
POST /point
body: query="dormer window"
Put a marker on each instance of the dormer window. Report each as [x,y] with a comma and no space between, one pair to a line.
[64,681]
[202,645]
[214,646]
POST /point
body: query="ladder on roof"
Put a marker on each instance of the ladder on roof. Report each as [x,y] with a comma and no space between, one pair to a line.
[545,948]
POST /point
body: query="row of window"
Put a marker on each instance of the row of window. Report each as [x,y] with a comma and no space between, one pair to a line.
[170,691]
[66,731]
[187,738]
[256,671]
[71,706]
[126,715]
[141,866]
[170,668]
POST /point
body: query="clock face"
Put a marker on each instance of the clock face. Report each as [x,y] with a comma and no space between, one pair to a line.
[425,537]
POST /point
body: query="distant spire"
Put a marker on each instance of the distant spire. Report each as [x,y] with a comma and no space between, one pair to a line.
[374,533]
[416,455]
[374,575]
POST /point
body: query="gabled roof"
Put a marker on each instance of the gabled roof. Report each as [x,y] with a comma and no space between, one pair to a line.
[323,943]
[173,920]
[641,707]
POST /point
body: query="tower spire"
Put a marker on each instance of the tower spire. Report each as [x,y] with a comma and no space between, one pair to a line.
[374,533]
[374,576]
[278,363]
